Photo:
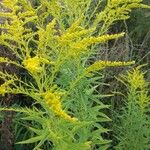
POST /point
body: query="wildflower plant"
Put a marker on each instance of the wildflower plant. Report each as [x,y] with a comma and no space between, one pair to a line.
[132,129]
[53,42]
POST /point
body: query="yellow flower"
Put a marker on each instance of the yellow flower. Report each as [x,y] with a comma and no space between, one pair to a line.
[2,90]
[136,79]
[9,3]
[137,85]
[95,40]
[74,33]
[98,65]
[46,35]
[3,59]
[80,47]
[53,100]
[4,87]
[33,64]
[68,37]
[75,26]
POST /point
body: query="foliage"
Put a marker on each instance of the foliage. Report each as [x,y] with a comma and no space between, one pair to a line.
[53,42]
[142,24]
[132,129]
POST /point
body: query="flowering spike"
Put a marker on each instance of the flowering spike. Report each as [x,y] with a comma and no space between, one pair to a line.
[53,100]
[95,40]
[98,65]
[33,64]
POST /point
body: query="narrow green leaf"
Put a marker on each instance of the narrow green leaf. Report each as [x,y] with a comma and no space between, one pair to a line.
[31,140]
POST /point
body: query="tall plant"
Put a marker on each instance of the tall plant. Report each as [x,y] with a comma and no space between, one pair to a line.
[134,122]
[53,42]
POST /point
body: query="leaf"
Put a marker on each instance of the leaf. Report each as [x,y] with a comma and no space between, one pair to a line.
[37,131]
[104,147]
[101,142]
[100,107]
[42,141]
[31,140]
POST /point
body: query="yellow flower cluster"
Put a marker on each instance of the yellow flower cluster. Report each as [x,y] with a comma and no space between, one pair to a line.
[127,5]
[75,26]
[4,87]
[138,86]
[125,1]
[80,47]
[74,33]
[10,3]
[94,40]
[33,64]
[19,15]
[3,59]
[15,26]
[53,100]
[136,79]
[98,65]
[68,37]
[53,7]
[16,29]
[45,36]
[116,10]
